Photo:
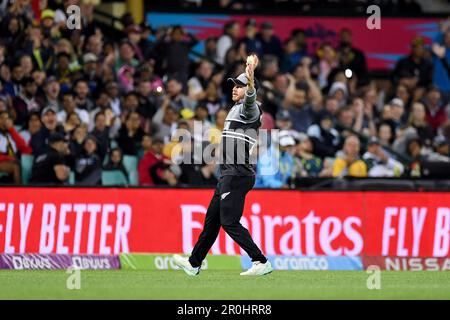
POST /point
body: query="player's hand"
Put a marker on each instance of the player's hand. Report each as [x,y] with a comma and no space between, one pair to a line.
[252,63]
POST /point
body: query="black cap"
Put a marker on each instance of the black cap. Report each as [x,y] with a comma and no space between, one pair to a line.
[242,81]
[56,137]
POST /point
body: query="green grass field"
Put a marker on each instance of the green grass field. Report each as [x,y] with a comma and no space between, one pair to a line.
[223,285]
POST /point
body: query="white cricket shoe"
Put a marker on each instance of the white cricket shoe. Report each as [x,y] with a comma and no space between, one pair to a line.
[184,264]
[258,269]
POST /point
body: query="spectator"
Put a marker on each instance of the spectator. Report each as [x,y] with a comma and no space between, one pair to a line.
[436,114]
[194,173]
[327,62]
[351,57]
[348,162]
[51,94]
[130,135]
[152,155]
[39,140]
[11,146]
[416,65]
[211,49]
[13,86]
[440,151]
[103,104]
[62,71]
[176,51]
[27,65]
[385,135]
[345,120]
[402,92]
[229,38]
[311,165]
[270,43]
[165,121]
[115,162]
[379,163]
[130,103]
[112,89]
[414,150]
[441,59]
[213,94]
[82,98]
[299,110]
[25,102]
[52,166]
[364,117]
[441,146]
[202,116]
[88,166]
[276,167]
[147,102]
[418,120]
[165,174]
[397,112]
[126,56]
[324,137]
[32,126]
[177,99]
[69,107]
[197,85]
[250,40]
[101,132]
[217,128]
[73,121]
[92,77]
[134,32]
[77,137]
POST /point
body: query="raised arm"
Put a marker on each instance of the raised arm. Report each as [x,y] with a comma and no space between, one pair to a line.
[250,109]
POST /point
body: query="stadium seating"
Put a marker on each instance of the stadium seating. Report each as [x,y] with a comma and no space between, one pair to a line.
[130,163]
[72,178]
[26,162]
[114,178]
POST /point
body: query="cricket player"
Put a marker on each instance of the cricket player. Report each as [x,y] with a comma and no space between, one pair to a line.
[236,180]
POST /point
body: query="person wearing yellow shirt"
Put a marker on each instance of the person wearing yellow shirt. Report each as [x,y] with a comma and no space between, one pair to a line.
[348,163]
[216,130]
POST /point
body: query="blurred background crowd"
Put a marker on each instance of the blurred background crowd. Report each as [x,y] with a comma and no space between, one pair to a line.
[78,107]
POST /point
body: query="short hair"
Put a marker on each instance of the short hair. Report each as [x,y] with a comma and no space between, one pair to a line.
[100,113]
[80,80]
[67,93]
[229,25]
[131,93]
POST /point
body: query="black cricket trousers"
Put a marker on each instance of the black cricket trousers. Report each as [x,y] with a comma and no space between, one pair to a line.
[225,209]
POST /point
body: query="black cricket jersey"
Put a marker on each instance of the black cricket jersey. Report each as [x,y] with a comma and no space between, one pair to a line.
[239,137]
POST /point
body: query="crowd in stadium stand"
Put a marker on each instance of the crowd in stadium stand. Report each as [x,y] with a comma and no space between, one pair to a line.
[79,107]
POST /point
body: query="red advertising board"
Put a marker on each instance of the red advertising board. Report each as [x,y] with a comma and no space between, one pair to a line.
[112,221]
